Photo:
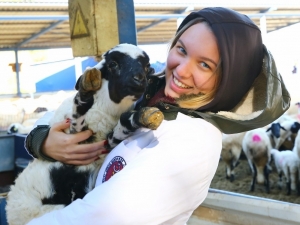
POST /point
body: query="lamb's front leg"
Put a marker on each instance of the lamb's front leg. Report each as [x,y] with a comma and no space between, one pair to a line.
[148,117]
[87,85]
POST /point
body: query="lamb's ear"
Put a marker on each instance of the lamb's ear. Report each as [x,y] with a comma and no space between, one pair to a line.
[78,82]
[151,71]
[282,128]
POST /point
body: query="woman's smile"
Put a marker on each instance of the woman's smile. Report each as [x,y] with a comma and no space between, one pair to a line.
[180,84]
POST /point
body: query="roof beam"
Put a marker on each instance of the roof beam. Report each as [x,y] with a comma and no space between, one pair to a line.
[149,16]
[39,33]
[27,17]
[187,9]
[273,8]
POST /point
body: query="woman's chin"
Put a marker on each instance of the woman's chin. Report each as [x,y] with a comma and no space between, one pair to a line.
[171,94]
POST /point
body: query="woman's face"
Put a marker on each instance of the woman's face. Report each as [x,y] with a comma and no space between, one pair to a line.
[191,63]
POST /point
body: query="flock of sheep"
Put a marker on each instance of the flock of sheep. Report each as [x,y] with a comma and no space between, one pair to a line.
[277,143]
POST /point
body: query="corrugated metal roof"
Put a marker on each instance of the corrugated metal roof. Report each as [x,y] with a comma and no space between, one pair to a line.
[35,24]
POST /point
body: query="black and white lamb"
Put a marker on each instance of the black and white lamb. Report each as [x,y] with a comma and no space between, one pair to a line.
[104,101]
[283,134]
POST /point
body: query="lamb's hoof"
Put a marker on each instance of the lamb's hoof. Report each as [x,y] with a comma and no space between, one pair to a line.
[151,117]
[91,80]
[13,128]
[231,178]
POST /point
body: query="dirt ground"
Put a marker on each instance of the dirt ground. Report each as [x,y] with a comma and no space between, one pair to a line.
[243,179]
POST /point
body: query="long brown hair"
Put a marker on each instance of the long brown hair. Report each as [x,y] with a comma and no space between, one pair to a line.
[196,101]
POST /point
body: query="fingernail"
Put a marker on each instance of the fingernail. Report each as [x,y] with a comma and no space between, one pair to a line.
[68,120]
[104,152]
[106,142]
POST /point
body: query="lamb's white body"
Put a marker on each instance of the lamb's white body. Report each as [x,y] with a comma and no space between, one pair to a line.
[26,126]
[231,151]
[25,194]
[257,147]
[24,201]
[24,198]
[108,111]
[287,162]
[296,148]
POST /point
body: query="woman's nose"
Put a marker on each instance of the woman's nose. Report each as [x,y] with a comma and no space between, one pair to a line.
[184,69]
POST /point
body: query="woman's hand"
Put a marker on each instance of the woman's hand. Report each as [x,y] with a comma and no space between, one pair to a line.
[65,148]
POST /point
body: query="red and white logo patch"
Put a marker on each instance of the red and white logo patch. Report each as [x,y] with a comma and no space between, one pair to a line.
[113,167]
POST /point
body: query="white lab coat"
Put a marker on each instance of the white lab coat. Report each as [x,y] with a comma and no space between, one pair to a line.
[164,175]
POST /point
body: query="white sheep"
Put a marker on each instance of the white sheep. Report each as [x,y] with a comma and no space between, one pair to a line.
[231,151]
[257,148]
[26,126]
[287,163]
[104,93]
[296,148]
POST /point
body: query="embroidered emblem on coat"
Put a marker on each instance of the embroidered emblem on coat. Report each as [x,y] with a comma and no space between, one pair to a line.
[113,167]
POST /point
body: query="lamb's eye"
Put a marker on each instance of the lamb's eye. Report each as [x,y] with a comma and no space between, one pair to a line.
[148,67]
[113,65]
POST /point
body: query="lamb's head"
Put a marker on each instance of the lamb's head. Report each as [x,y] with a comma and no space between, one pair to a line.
[125,67]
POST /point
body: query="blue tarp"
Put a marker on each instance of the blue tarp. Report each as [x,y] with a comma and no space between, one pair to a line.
[64,79]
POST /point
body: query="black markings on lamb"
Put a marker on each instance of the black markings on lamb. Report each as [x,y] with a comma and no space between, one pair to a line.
[105,92]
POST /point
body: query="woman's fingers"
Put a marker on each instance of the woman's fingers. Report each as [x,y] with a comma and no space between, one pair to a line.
[81,154]
[65,148]
[61,125]
[96,147]
[78,149]
[81,136]
[85,158]
[74,138]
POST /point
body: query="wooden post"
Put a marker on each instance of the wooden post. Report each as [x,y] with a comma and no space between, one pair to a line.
[98,25]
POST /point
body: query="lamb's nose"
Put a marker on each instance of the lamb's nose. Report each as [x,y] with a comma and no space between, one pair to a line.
[139,78]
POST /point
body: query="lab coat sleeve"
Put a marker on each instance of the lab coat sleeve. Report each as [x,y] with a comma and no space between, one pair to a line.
[167,180]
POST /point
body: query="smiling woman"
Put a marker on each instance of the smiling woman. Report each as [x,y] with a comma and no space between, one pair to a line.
[241,92]
[191,72]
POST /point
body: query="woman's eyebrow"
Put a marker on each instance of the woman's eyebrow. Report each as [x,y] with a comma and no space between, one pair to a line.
[202,57]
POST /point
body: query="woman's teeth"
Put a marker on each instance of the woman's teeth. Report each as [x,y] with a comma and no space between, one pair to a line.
[179,84]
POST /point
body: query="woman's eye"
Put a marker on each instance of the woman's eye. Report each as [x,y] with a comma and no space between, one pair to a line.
[181,49]
[203,64]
